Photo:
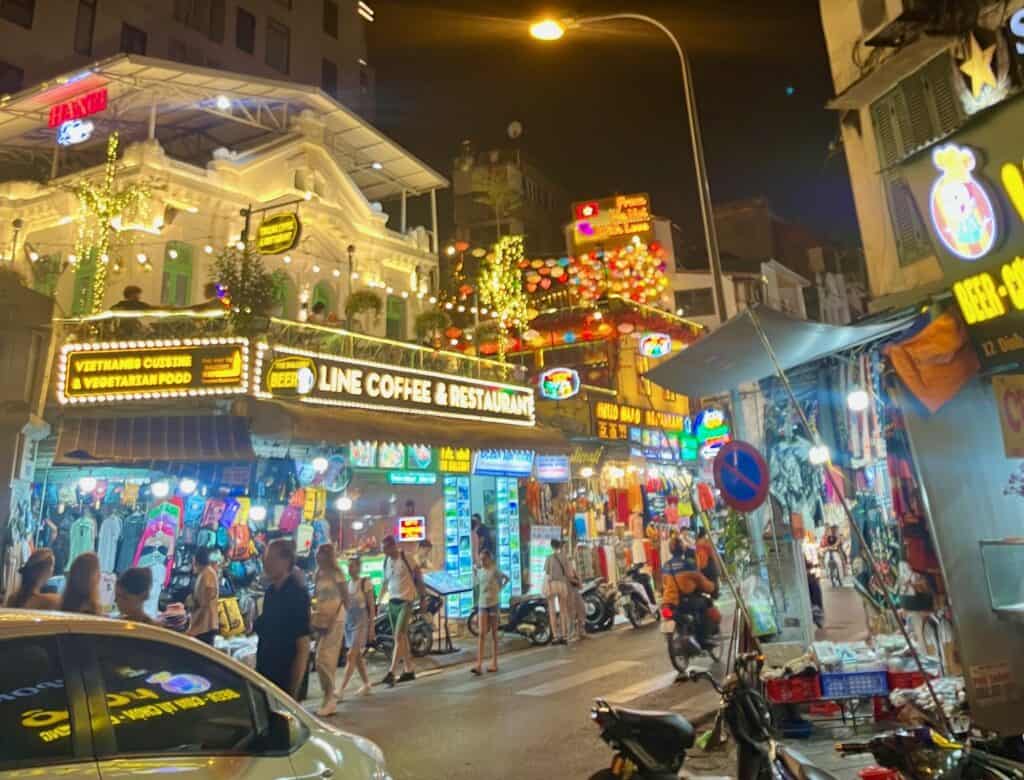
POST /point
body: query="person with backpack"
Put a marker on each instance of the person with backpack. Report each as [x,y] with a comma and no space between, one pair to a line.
[359,622]
[205,615]
[328,622]
[405,583]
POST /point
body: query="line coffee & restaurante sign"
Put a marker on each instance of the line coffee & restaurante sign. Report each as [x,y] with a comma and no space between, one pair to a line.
[328,380]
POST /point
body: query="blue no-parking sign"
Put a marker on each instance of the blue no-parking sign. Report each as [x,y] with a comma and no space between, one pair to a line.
[741,474]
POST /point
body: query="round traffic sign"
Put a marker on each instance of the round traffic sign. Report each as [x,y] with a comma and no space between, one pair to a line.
[742,476]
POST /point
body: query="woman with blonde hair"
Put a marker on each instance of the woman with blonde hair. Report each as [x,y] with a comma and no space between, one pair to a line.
[328,622]
[82,589]
[34,575]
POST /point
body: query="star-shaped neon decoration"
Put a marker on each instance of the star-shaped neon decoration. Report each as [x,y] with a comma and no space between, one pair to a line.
[978,67]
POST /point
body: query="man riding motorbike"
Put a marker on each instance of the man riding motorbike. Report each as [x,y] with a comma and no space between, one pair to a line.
[682,586]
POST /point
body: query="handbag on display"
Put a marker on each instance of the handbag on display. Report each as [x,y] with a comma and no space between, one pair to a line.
[211,515]
[230,615]
[304,540]
[291,518]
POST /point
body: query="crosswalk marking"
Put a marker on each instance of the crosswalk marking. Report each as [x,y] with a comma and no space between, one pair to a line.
[565,683]
[501,677]
[641,688]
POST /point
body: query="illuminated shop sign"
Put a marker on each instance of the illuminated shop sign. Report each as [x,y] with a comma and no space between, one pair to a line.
[412,478]
[143,370]
[613,222]
[455,460]
[558,384]
[388,455]
[711,431]
[991,304]
[582,458]
[412,529]
[655,345]
[1009,393]
[279,233]
[962,213]
[78,108]
[74,131]
[552,468]
[503,463]
[328,380]
[609,411]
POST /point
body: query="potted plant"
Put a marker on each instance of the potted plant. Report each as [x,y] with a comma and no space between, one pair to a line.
[430,325]
[363,307]
[248,286]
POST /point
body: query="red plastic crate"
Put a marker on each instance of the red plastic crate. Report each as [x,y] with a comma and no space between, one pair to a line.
[905,680]
[793,689]
[878,773]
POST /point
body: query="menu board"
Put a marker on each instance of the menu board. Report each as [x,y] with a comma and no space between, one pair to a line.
[540,550]
[507,490]
[373,567]
[458,548]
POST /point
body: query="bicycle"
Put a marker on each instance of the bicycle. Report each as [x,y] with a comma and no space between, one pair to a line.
[835,576]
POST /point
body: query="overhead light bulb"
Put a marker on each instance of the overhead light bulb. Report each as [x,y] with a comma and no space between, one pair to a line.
[450,251]
[307,195]
[586,472]
[208,249]
[33,256]
[390,290]
[858,400]
[240,245]
[376,165]
[257,513]
[358,525]
[547,30]
[160,489]
[287,259]
[320,464]
[87,484]
[818,455]
[344,503]
[223,102]
[173,254]
[316,268]
[141,257]
[187,486]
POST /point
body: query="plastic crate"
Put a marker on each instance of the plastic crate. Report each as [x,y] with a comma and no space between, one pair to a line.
[909,680]
[878,773]
[854,685]
[789,690]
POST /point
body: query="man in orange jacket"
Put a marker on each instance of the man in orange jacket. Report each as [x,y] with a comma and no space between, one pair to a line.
[682,586]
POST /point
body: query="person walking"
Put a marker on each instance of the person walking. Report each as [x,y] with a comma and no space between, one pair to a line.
[490,580]
[328,622]
[131,594]
[556,587]
[282,654]
[34,575]
[359,620]
[205,624]
[82,589]
[404,583]
[577,609]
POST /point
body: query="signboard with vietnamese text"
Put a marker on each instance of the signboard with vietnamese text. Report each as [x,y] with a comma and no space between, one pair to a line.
[554,469]
[329,380]
[455,460]
[412,529]
[621,414]
[1009,392]
[612,222]
[279,233]
[503,463]
[148,370]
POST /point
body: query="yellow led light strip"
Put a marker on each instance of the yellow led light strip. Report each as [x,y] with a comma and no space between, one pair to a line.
[259,392]
[130,314]
[143,395]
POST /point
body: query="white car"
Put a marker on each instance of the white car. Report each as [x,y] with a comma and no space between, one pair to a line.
[90,697]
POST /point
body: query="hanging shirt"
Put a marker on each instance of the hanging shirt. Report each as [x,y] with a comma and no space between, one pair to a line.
[82,537]
[132,528]
[110,534]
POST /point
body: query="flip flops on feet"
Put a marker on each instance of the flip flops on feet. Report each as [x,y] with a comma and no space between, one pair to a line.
[475,670]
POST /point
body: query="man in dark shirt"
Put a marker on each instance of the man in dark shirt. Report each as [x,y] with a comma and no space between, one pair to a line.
[132,300]
[283,627]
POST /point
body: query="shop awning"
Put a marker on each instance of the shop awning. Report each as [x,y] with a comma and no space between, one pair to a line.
[338,426]
[152,439]
[734,354]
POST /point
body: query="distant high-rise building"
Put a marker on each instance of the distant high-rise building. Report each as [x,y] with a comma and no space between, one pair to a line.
[317,42]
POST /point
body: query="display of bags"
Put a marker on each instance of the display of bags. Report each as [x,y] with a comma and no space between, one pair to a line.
[304,540]
[231,622]
[211,515]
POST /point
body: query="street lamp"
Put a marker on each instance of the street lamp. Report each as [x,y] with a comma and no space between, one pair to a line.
[553,30]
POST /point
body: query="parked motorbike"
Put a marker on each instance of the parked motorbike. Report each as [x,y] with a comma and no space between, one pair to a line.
[817,602]
[636,595]
[527,616]
[922,753]
[600,602]
[680,629]
[653,745]
[421,629]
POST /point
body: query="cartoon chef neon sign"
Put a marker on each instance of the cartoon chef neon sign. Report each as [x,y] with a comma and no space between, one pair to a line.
[961,211]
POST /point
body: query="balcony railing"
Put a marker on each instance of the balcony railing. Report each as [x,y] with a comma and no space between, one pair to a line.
[158,324]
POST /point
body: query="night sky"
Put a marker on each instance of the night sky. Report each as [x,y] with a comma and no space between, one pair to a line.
[603,108]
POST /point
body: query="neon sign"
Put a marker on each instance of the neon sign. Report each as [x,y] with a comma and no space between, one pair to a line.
[78,108]
[279,233]
[655,345]
[558,384]
[74,131]
[412,529]
[961,211]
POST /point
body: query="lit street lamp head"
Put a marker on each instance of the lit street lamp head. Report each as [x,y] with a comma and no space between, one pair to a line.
[547,30]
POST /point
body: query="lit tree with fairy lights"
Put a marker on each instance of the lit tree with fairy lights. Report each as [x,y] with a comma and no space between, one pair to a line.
[99,202]
[501,288]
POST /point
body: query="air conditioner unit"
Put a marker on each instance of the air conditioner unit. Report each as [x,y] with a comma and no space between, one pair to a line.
[892,22]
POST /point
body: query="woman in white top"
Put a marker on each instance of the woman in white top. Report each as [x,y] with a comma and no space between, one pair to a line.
[490,579]
[362,614]
[328,622]
[556,589]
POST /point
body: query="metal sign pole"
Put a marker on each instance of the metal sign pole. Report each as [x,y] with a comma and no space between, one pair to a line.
[875,568]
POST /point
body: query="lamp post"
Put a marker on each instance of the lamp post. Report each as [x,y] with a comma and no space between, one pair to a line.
[552,30]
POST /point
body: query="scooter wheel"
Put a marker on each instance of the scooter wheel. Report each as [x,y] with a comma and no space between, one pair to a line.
[473,622]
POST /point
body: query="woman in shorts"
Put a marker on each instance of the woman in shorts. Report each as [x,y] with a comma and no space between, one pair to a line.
[490,580]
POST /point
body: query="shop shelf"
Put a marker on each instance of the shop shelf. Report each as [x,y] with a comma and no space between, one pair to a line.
[789,690]
[854,685]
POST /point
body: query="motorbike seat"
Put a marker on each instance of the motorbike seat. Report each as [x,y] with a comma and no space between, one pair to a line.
[800,766]
[661,721]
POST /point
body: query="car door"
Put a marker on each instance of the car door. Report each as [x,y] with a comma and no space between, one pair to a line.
[159,707]
[44,721]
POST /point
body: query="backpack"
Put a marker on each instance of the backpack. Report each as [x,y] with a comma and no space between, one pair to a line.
[290,519]
[239,541]
[207,538]
[321,533]
[194,508]
[304,540]
[316,503]
[223,542]
[231,622]
[211,516]
[229,514]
